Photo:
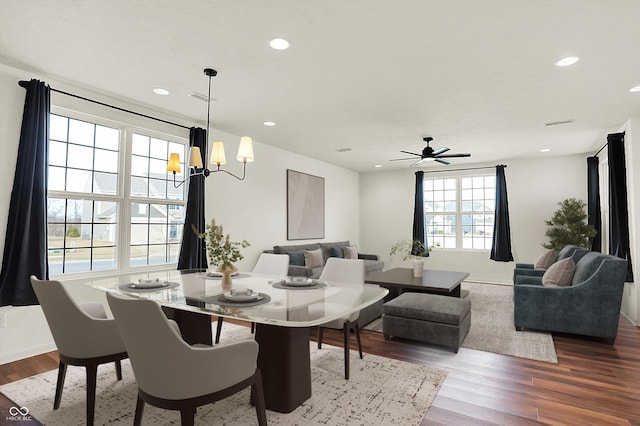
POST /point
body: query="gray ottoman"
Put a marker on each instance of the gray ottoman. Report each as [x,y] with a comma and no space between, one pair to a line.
[429,318]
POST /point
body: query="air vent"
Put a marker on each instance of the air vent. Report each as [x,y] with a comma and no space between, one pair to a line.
[556,123]
[343,149]
[201,97]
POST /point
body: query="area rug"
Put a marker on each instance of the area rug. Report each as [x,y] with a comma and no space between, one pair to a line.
[380,391]
[492,328]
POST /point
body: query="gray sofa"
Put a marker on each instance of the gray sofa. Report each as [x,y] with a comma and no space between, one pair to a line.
[590,306]
[297,268]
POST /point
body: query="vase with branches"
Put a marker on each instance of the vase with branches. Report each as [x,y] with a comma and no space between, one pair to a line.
[414,250]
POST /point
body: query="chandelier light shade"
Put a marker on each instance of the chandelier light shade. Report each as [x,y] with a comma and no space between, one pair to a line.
[218,158]
[173,165]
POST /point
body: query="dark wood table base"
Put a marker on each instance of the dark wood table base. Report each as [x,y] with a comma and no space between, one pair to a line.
[284,360]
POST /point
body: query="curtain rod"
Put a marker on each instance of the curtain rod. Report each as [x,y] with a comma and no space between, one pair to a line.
[23,83]
[604,146]
[468,168]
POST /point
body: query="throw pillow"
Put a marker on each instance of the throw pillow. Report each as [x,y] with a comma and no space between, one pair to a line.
[350,252]
[296,258]
[337,252]
[560,274]
[313,258]
[546,259]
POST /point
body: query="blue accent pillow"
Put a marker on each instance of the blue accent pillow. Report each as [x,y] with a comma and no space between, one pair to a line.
[296,258]
[337,252]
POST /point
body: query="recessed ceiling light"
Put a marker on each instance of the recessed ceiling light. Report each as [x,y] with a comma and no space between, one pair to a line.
[279,44]
[269,123]
[378,166]
[635,89]
[545,150]
[160,91]
[569,60]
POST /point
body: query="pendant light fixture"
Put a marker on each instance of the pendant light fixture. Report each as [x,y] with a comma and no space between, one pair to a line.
[218,158]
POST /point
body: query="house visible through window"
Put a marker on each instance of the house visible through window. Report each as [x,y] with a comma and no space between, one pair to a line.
[459,212]
[107,211]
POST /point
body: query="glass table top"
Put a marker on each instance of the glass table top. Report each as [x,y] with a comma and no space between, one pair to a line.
[295,307]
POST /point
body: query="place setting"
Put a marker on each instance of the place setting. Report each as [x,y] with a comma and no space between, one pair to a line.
[144,285]
[245,298]
[298,283]
[214,275]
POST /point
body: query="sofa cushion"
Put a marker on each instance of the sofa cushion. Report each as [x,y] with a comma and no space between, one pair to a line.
[326,248]
[336,252]
[350,252]
[560,274]
[313,258]
[297,247]
[296,258]
[546,259]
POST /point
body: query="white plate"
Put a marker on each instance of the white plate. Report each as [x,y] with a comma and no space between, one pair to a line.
[219,275]
[300,282]
[241,296]
[154,283]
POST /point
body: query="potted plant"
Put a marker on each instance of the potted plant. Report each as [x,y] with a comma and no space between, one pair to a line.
[568,226]
[222,253]
[414,250]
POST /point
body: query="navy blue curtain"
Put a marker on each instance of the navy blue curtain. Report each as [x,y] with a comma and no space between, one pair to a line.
[501,246]
[419,233]
[593,201]
[193,253]
[25,244]
[618,211]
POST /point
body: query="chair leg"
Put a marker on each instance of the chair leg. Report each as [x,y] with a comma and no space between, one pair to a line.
[345,332]
[118,370]
[187,416]
[137,419]
[62,372]
[257,395]
[356,328]
[92,373]
[319,337]
[253,327]
[219,329]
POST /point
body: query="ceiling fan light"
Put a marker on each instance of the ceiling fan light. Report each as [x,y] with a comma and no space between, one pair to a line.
[565,62]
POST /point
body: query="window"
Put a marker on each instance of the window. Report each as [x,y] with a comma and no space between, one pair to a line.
[95,225]
[459,212]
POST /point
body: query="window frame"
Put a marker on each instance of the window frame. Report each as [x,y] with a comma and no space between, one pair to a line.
[123,197]
[458,213]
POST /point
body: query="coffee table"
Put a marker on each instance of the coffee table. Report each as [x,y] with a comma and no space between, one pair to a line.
[402,280]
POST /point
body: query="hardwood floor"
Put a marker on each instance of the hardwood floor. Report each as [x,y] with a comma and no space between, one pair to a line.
[593,383]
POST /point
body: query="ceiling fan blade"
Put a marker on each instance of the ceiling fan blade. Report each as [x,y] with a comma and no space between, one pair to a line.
[445,162]
[454,155]
[412,153]
[441,150]
[402,159]
[418,162]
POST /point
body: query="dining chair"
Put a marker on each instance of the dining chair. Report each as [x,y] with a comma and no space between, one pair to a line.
[173,375]
[275,265]
[83,335]
[344,272]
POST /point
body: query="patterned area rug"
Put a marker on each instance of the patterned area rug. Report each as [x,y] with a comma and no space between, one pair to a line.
[379,391]
[492,327]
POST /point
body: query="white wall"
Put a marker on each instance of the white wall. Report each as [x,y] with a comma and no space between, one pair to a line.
[534,188]
[254,209]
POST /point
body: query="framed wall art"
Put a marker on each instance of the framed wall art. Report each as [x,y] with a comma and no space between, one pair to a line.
[305,206]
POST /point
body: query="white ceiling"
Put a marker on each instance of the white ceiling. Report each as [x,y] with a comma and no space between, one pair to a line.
[371,75]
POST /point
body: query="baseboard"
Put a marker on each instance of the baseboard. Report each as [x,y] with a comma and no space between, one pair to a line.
[630,320]
[27,353]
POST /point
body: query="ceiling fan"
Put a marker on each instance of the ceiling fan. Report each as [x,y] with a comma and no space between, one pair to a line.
[429,154]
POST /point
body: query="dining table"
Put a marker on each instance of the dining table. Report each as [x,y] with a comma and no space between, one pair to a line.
[282,308]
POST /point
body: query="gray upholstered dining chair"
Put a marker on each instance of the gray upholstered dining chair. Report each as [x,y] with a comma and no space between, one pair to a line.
[347,272]
[173,375]
[83,334]
[275,265]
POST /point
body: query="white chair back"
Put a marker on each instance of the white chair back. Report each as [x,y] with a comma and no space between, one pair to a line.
[350,271]
[272,264]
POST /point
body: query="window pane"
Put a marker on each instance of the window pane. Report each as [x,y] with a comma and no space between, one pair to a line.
[108,138]
[139,233]
[158,233]
[56,179]
[105,212]
[138,255]
[78,180]
[104,258]
[157,254]
[158,149]
[79,211]
[81,132]
[105,183]
[174,253]
[57,153]
[139,187]
[139,166]
[140,145]
[58,127]
[157,188]
[80,157]
[106,161]
[157,168]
